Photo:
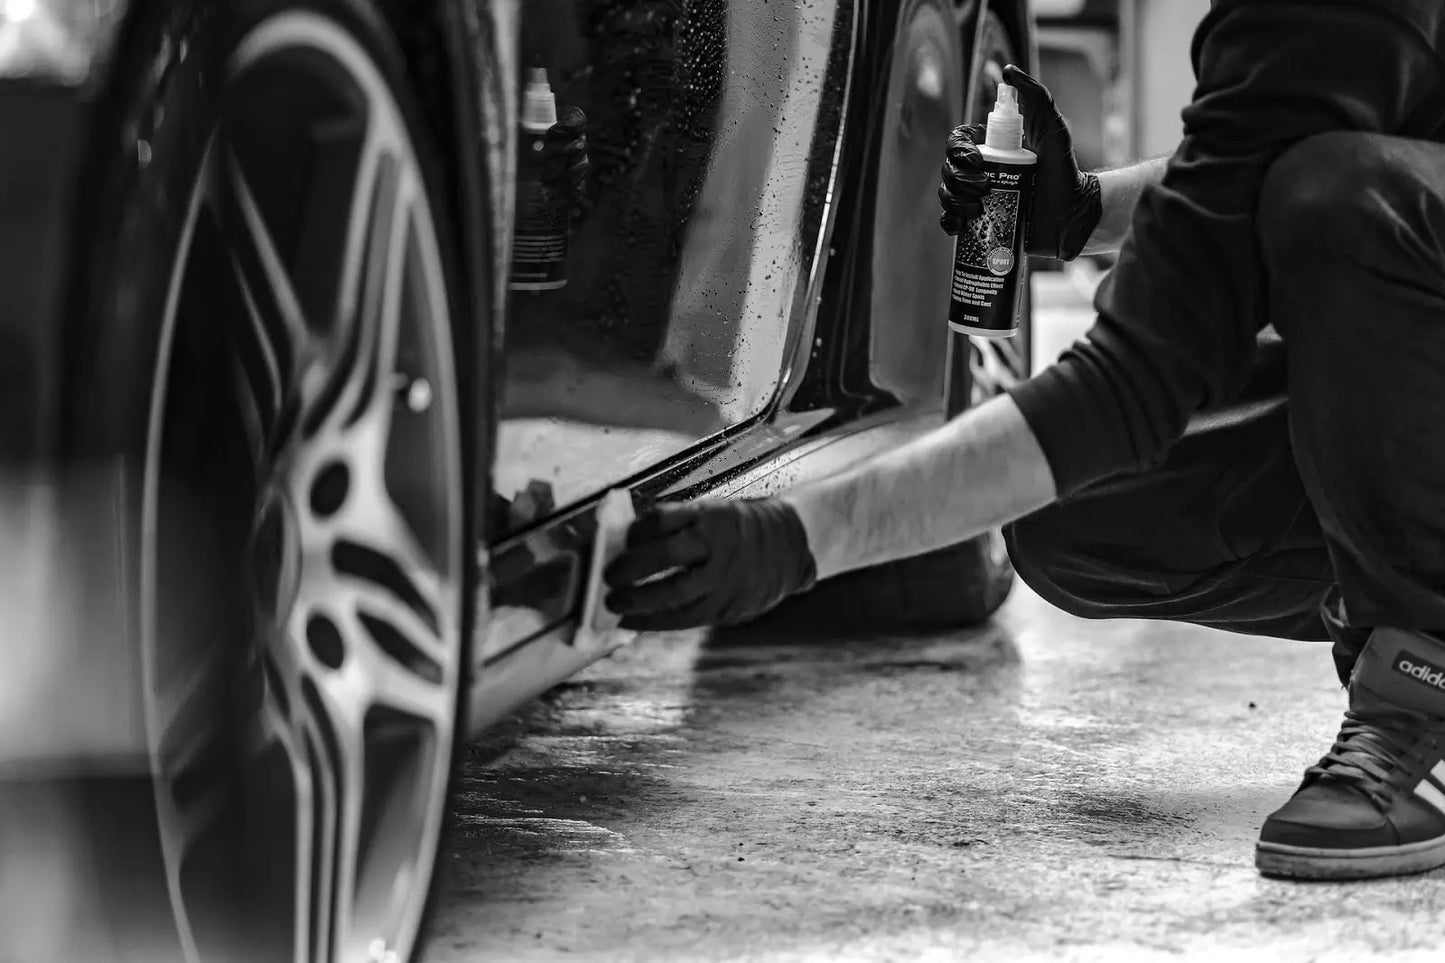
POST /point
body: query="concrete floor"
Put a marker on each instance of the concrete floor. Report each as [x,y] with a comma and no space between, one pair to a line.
[1046,788]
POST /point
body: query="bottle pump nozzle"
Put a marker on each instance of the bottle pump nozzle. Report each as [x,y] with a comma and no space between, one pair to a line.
[1005,123]
[539,105]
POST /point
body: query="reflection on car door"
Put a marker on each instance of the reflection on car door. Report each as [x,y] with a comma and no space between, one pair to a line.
[688,241]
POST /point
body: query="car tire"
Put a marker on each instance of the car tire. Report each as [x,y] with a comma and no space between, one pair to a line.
[964,584]
[265,352]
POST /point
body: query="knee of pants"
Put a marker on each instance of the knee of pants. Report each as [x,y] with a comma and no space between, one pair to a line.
[1347,197]
[1047,561]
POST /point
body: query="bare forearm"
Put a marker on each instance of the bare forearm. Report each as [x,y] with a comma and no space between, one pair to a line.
[976,472]
[1119,192]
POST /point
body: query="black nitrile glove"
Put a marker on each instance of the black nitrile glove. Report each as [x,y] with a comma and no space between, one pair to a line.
[1067,205]
[721,563]
[566,162]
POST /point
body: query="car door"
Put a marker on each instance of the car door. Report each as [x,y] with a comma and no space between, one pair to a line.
[690,243]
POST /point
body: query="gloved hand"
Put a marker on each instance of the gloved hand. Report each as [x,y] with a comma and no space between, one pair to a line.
[709,563]
[1067,205]
[565,163]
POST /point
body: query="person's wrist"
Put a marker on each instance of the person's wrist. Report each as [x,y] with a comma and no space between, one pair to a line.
[1083,217]
[810,532]
[793,549]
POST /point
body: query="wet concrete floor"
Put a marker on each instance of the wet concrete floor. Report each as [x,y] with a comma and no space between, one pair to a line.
[1046,788]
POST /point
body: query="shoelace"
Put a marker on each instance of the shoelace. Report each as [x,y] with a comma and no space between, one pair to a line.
[1374,749]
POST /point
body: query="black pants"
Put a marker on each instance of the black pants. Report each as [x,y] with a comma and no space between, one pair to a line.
[1312,507]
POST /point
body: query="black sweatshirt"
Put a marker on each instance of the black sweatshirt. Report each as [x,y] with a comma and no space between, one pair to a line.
[1178,315]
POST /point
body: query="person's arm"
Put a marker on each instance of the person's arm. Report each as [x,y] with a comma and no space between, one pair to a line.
[1119,193]
[1179,313]
[1177,322]
[978,471]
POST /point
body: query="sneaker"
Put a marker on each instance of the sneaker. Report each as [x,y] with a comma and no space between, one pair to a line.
[1375,804]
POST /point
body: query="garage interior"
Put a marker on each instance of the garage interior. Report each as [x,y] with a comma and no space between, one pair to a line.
[1043,788]
[1038,787]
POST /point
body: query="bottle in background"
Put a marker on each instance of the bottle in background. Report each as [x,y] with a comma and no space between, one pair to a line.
[539,249]
[990,266]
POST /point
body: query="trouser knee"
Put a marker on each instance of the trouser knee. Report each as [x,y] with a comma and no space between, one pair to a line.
[1345,200]
[1058,569]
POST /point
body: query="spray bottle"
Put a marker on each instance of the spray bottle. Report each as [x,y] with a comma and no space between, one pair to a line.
[539,250]
[990,266]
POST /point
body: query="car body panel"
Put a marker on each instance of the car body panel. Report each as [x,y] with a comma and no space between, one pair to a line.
[712,129]
[822,421]
[508,678]
[529,585]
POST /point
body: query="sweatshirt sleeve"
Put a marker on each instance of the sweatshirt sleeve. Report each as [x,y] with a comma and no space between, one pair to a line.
[1178,315]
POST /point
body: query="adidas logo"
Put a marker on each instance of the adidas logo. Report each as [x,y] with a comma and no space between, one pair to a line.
[1420,670]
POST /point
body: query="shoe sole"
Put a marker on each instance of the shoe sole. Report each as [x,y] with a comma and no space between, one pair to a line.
[1306,862]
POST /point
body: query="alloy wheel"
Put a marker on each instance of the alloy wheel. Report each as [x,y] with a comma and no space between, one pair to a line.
[302,531]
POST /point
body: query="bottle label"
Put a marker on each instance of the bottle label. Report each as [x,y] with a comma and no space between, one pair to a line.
[988,241]
[988,263]
[540,241]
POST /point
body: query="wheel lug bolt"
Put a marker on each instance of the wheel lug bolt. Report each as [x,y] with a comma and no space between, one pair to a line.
[416,394]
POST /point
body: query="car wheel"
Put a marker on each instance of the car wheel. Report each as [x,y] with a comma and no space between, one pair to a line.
[964,584]
[280,297]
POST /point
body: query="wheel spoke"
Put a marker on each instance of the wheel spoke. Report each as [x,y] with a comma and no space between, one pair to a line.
[306,790]
[363,352]
[373,521]
[263,384]
[275,337]
[194,770]
[337,758]
[280,322]
[321,873]
[406,628]
[254,422]
[393,684]
[180,707]
[192,753]
[195,794]
[326,749]
[402,608]
[282,719]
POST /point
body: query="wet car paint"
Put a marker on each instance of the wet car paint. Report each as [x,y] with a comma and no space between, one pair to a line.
[537,583]
[710,145]
[828,393]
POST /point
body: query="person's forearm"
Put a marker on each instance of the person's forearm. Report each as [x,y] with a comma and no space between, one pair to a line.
[1119,192]
[980,470]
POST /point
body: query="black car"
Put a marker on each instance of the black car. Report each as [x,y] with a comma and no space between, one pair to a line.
[303,449]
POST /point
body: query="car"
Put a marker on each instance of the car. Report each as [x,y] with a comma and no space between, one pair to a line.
[304,453]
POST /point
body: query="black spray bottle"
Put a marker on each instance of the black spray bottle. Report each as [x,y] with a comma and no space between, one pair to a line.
[539,251]
[990,266]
